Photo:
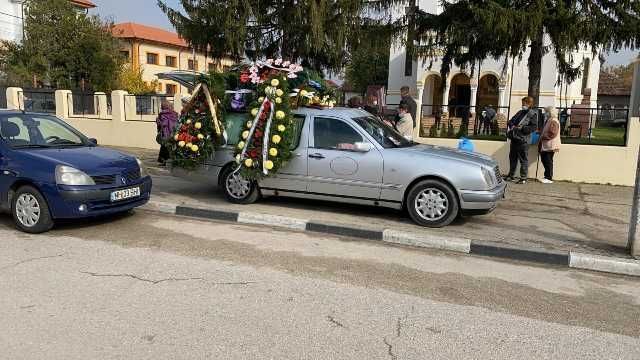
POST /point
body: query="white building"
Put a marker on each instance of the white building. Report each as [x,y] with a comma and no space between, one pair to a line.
[490,85]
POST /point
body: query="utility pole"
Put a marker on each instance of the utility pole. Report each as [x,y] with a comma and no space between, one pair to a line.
[634,223]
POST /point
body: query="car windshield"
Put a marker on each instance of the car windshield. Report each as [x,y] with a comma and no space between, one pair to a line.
[23,131]
[384,134]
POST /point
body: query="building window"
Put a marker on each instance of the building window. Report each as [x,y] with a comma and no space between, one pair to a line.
[586,66]
[171,61]
[171,89]
[212,67]
[125,55]
[152,58]
[192,65]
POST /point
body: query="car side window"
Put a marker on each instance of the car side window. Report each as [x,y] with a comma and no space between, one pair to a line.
[334,134]
[52,132]
[14,131]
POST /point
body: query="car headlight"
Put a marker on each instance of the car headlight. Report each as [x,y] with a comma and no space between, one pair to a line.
[488,178]
[143,170]
[66,175]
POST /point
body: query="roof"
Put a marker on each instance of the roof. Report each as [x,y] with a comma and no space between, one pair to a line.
[613,84]
[131,30]
[83,3]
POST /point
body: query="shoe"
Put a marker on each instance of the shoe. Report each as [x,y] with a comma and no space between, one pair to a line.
[521,181]
[546,181]
[509,178]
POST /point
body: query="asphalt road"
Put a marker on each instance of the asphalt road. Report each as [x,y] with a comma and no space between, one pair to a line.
[148,286]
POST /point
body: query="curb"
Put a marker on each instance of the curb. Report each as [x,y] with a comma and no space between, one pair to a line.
[460,245]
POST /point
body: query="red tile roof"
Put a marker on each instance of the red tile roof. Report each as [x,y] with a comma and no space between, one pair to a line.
[84,3]
[149,33]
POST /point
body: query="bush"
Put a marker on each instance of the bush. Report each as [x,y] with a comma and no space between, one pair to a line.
[433,131]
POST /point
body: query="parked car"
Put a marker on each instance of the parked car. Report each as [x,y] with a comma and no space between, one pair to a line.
[49,171]
[348,155]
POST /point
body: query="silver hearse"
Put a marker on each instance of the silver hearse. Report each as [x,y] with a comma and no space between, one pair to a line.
[347,155]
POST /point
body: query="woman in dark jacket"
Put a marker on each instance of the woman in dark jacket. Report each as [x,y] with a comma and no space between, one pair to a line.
[166,123]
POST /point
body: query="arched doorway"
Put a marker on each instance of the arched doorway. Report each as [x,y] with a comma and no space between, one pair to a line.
[488,91]
[459,95]
[432,95]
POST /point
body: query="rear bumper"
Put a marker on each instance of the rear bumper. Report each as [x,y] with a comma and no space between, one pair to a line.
[482,201]
[65,202]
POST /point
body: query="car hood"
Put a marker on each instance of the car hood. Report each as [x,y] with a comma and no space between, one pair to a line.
[91,160]
[451,153]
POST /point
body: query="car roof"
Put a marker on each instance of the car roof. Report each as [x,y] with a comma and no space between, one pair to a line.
[336,111]
[19,112]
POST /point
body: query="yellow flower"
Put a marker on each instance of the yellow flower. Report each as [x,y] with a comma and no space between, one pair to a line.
[245,134]
[280,115]
[275,82]
[241,145]
[238,158]
[268,164]
[273,152]
[198,125]
[176,137]
[279,92]
[188,145]
[282,128]
[276,139]
[249,123]
[181,143]
[189,121]
[278,100]
[248,163]
[261,99]
[303,92]
[194,148]
[254,112]
[200,136]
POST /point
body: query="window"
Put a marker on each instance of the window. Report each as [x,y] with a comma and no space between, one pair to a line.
[171,89]
[297,125]
[171,61]
[586,66]
[382,133]
[125,55]
[334,134]
[235,122]
[152,58]
[192,65]
[212,66]
[41,131]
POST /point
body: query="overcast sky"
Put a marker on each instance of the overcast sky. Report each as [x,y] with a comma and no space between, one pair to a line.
[147,12]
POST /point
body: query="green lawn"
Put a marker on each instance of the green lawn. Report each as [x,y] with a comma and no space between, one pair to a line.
[600,136]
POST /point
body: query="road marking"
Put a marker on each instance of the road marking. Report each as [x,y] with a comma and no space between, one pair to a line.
[272,220]
[427,241]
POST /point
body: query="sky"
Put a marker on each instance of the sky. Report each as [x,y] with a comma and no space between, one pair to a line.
[147,12]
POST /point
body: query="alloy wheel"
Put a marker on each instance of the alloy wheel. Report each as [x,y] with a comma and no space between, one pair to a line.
[28,210]
[237,186]
[432,204]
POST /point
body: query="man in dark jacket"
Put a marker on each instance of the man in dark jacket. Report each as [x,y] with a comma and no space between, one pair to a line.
[519,130]
[411,104]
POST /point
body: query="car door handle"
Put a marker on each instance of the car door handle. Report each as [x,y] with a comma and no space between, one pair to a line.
[316,156]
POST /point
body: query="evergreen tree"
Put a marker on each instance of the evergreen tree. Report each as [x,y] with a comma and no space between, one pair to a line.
[369,58]
[468,31]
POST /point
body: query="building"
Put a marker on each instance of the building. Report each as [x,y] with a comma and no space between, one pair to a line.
[613,90]
[489,85]
[11,17]
[157,50]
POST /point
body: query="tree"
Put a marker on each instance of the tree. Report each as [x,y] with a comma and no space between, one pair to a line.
[469,31]
[130,80]
[62,48]
[315,33]
[369,59]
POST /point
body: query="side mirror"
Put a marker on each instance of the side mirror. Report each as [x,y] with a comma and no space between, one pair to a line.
[362,147]
[93,141]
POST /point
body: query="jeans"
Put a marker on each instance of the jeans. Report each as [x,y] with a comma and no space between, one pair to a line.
[547,161]
[518,152]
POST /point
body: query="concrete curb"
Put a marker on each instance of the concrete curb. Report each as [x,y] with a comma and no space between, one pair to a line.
[427,241]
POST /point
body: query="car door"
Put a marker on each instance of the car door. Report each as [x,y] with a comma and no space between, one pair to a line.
[293,176]
[337,167]
[12,131]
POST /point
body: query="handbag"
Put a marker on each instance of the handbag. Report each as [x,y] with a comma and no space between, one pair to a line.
[535,138]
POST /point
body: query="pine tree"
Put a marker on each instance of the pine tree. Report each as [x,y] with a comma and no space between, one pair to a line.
[469,31]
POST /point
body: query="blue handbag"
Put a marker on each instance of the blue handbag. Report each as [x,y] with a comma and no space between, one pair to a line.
[535,137]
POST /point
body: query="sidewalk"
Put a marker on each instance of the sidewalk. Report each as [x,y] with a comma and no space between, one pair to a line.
[590,219]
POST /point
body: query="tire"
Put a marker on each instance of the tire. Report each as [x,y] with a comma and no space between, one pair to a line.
[237,189]
[432,203]
[30,211]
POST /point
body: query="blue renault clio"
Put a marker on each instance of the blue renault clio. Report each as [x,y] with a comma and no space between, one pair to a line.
[49,171]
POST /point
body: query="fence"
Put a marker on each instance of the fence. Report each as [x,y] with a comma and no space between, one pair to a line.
[3,97]
[144,107]
[83,104]
[43,101]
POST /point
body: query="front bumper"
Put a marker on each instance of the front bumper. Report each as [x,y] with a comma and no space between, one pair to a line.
[486,200]
[65,201]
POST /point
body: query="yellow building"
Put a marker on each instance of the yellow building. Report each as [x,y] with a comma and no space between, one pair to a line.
[157,50]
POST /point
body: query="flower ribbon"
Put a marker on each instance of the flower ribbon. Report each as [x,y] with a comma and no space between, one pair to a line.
[265,141]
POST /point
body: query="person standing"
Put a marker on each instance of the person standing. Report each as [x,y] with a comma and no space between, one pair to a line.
[519,130]
[549,143]
[405,122]
[411,104]
[166,123]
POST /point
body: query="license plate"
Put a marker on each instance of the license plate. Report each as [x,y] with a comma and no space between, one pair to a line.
[125,194]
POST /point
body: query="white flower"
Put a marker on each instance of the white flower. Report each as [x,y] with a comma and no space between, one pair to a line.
[253,69]
[286,63]
[270,61]
[292,75]
[278,61]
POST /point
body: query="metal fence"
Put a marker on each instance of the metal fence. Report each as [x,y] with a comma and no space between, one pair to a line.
[83,104]
[145,105]
[3,97]
[38,100]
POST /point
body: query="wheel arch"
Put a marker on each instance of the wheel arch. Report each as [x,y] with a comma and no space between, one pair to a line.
[223,169]
[17,185]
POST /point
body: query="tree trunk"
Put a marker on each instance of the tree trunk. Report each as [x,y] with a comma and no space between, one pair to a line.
[535,66]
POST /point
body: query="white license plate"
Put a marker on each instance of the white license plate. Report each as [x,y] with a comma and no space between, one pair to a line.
[125,194]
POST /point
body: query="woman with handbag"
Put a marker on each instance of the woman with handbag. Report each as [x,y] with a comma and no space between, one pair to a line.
[549,143]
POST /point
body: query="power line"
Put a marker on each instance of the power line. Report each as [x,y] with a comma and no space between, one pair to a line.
[14,16]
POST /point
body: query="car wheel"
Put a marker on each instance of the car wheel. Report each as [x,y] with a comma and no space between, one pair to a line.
[30,211]
[432,203]
[236,188]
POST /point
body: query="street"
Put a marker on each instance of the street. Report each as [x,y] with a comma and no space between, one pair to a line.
[149,286]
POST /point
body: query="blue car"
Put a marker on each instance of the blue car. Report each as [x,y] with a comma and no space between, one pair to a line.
[49,171]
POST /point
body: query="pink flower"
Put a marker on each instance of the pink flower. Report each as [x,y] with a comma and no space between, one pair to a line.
[278,62]
[286,64]
[270,61]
